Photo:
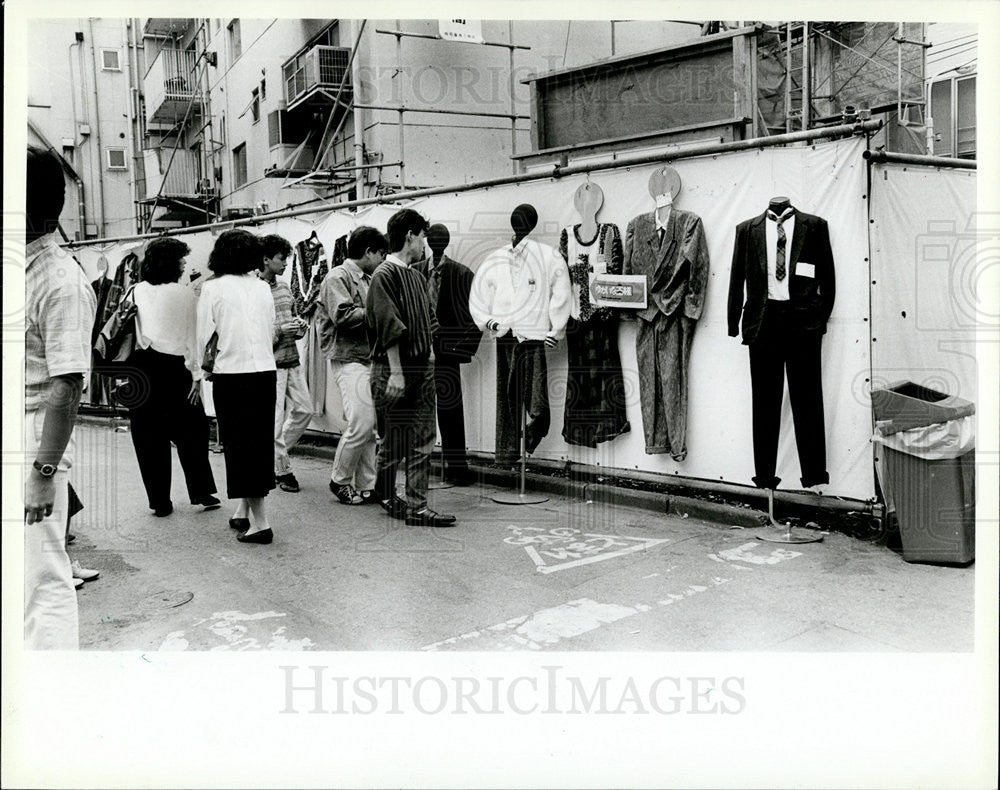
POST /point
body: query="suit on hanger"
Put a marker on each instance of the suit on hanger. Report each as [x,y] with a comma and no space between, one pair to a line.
[676,269]
[784,335]
[455,343]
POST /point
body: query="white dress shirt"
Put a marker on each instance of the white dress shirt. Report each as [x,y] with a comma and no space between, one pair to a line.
[778,289]
[525,289]
[166,321]
[240,308]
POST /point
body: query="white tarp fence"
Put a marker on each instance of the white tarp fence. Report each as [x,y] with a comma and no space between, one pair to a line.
[826,178]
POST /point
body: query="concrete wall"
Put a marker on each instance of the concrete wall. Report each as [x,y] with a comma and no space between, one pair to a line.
[61,100]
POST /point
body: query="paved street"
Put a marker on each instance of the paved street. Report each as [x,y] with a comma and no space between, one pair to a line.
[561,575]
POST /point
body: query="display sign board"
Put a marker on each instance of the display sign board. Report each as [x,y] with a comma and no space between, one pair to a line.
[619,290]
[469,30]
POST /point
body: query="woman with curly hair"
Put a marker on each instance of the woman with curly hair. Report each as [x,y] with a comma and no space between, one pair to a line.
[236,313]
[168,373]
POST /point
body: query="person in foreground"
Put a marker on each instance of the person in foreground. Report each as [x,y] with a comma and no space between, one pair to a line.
[169,408]
[236,316]
[60,308]
[401,328]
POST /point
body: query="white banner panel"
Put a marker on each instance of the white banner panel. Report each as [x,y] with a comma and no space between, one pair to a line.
[828,179]
[928,277]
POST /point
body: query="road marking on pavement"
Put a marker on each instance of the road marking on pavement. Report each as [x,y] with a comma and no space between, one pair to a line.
[555,624]
[228,626]
[573,546]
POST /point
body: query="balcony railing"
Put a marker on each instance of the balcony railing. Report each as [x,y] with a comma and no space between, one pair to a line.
[184,175]
[170,85]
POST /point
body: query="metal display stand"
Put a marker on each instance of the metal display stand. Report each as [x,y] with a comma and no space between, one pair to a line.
[785,533]
[521,497]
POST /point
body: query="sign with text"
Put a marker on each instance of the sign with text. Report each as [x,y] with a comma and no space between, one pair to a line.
[470,30]
[619,290]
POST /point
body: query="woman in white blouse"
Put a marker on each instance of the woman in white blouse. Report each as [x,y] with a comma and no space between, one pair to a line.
[166,398]
[237,308]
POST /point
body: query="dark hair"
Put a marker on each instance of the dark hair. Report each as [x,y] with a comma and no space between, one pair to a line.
[45,192]
[162,261]
[363,239]
[235,252]
[401,223]
[275,245]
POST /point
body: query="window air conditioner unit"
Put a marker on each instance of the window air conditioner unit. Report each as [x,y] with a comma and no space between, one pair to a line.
[319,67]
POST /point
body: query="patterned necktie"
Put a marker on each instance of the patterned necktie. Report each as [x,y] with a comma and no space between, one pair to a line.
[435,287]
[661,232]
[779,258]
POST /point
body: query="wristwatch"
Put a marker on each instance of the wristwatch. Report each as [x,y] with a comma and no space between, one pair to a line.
[45,470]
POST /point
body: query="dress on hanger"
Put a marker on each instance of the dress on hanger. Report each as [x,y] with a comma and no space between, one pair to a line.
[595,387]
[309,268]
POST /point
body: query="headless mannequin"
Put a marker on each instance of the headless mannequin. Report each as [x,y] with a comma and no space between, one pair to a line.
[588,201]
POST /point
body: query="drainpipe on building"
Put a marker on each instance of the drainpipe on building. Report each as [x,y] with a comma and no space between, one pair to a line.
[359,126]
[133,109]
[97,126]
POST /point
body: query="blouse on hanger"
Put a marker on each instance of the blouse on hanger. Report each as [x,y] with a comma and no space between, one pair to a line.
[587,259]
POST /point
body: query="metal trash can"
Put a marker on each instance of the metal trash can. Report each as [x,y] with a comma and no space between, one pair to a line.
[926,460]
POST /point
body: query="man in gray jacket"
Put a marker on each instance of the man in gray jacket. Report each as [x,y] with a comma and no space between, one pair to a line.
[344,340]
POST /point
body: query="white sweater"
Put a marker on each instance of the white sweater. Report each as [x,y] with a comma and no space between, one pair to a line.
[240,308]
[525,289]
[165,322]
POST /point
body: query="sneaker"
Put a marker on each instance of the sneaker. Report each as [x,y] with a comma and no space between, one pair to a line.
[83,574]
[288,483]
[77,583]
[425,517]
[346,494]
[394,506]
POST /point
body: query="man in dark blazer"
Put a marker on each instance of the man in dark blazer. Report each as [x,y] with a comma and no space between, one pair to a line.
[783,262]
[673,254]
[449,284]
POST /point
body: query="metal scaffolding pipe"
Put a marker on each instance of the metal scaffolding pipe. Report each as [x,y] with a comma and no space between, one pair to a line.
[554,171]
[888,157]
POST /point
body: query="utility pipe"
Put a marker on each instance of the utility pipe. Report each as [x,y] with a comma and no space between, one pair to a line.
[97,125]
[554,171]
[806,77]
[359,126]
[889,157]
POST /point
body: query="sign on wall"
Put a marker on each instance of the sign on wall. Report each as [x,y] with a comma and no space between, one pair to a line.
[468,30]
[619,290]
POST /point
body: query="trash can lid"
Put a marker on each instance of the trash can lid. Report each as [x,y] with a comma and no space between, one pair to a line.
[905,405]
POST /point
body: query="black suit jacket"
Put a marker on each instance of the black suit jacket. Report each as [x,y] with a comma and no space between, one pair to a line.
[458,337]
[810,298]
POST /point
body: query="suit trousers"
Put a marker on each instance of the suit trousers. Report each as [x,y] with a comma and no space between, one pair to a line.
[450,414]
[406,427]
[162,413]
[522,385]
[292,414]
[781,349]
[663,350]
[354,462]
[50,609]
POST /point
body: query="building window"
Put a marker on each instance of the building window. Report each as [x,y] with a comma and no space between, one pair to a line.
[235,42]
[263,89]
[240,165]
[953,110]
[255,106]
[116,159]
[111,60]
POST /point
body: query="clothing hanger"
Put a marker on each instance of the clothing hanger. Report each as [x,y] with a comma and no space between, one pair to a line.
[664,187]
[588,200]
[779,205]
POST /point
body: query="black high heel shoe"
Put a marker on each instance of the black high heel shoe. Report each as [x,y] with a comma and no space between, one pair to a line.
[264,536]
[240,524]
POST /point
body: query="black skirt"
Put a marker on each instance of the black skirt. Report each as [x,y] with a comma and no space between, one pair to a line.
[244,408]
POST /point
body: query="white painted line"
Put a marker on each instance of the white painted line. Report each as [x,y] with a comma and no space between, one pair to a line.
[600,557]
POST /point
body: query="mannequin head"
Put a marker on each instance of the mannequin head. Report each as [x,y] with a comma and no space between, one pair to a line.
[522,221]
[437,239]
[665,180]
[779,204]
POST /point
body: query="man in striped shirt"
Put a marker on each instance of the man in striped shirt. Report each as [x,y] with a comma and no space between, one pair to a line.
[401,328]
[58,318]
[292,406]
